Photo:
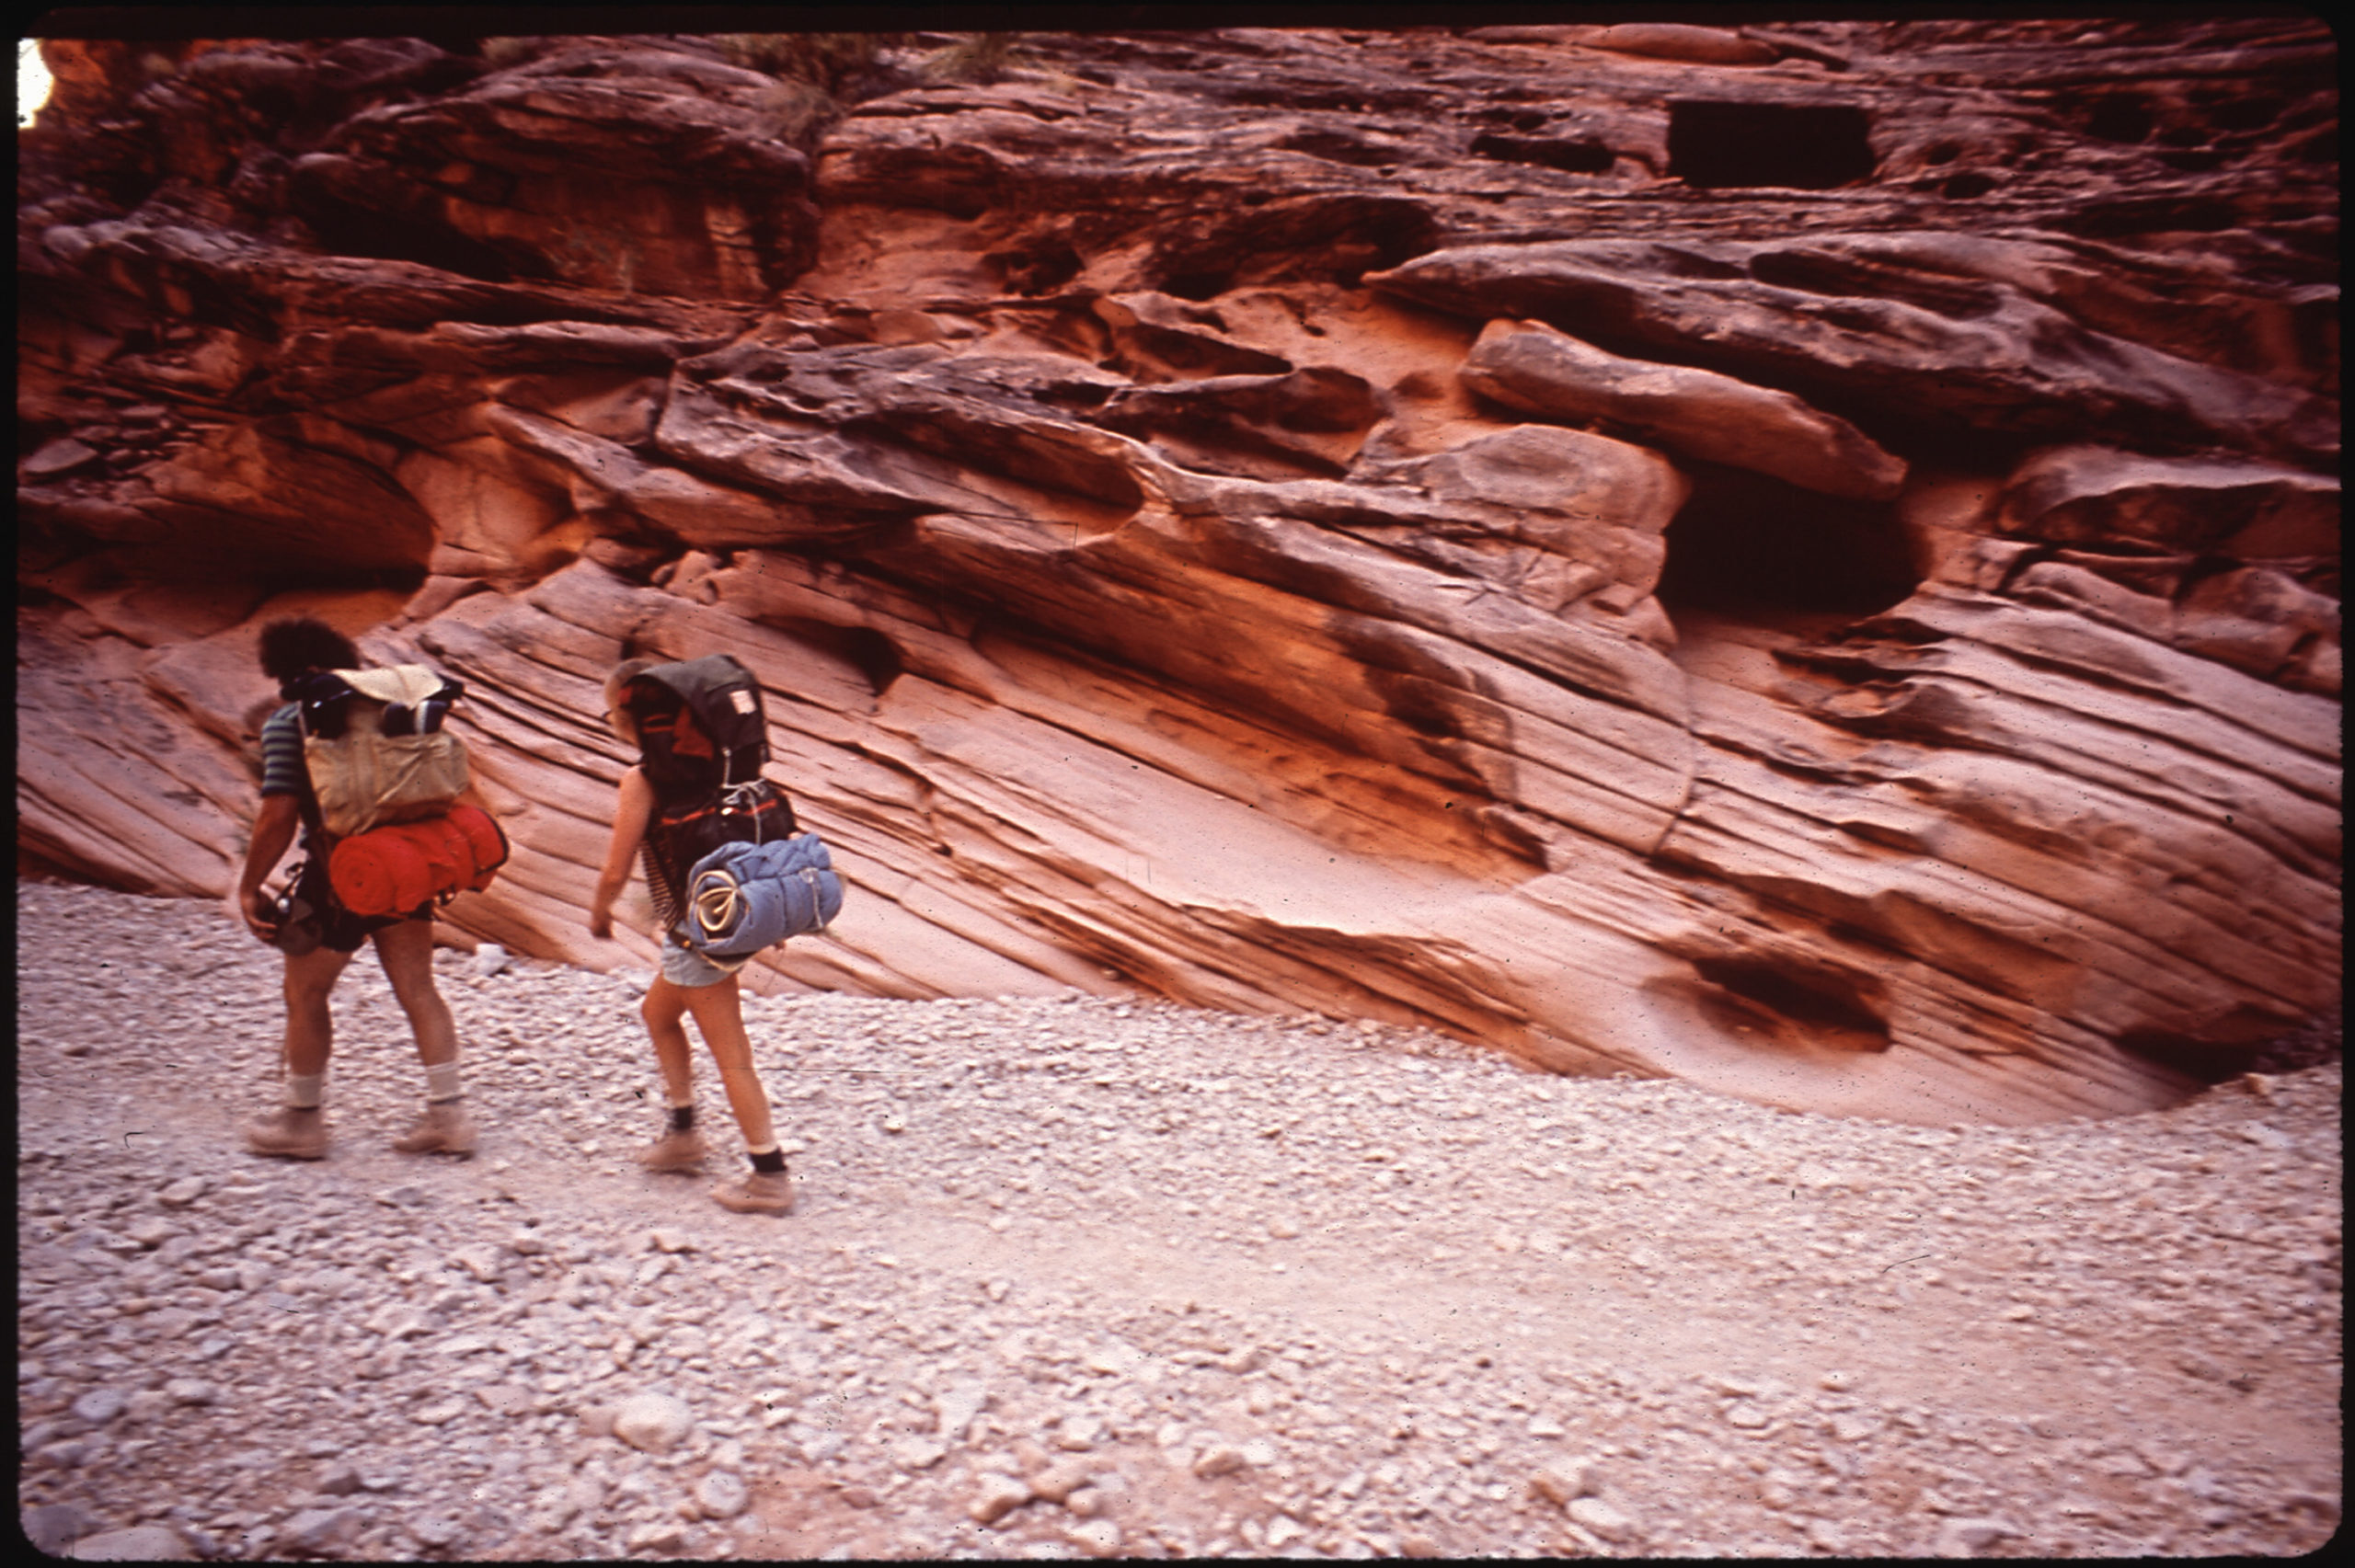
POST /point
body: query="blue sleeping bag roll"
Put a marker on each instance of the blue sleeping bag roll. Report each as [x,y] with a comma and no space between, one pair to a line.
[743,898]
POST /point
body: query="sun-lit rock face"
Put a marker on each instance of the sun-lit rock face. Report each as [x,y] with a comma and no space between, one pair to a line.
[1803,559]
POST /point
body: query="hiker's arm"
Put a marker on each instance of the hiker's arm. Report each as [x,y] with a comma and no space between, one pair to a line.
[631,814]
[273,832]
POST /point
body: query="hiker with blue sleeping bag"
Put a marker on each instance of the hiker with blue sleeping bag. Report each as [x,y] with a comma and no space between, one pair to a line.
[695,801]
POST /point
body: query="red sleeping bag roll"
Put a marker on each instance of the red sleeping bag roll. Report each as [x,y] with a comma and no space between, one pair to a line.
[395,869]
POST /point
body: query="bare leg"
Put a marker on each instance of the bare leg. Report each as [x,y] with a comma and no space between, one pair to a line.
[407,953]
[719,1014]
[665,1011]
[296,1131]
[310,1024]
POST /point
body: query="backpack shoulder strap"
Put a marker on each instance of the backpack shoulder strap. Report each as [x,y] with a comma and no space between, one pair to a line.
[319,703]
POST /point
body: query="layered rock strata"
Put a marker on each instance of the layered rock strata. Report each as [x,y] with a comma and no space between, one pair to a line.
[1800,558]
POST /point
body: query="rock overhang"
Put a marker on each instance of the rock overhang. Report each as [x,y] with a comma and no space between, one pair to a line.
[1197,479]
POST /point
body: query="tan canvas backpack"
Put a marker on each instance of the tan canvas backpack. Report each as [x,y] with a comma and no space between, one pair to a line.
[376,748]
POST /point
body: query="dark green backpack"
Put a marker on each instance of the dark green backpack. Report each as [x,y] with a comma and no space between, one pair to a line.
[706,771]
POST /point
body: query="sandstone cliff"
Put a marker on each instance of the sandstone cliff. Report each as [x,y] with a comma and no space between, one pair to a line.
[1800,558]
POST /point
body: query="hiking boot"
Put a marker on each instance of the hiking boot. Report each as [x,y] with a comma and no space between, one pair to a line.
[673,1151]
[763,1192]
[445,1128]
[289,1133]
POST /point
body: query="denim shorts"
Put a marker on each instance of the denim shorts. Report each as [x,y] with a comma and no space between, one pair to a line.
[683,966]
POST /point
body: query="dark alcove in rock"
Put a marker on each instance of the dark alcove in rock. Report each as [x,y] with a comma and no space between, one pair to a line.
[1750,547]
[1713,143]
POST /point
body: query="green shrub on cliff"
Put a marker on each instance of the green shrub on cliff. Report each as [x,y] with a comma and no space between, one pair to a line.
[500,53]
[829,62]
[982,57]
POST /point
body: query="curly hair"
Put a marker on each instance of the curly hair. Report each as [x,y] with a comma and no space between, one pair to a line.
[296,647]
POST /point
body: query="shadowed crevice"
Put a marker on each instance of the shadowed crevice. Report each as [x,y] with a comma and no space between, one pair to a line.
[1714,143]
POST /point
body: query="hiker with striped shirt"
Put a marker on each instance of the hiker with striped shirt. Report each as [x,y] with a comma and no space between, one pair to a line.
[319,937]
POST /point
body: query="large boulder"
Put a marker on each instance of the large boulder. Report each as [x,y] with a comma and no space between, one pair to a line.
[2173,504]
[1866,322]
[1528,366]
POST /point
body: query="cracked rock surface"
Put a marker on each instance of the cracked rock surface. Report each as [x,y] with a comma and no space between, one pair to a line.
[1083,1277]
[1802,559]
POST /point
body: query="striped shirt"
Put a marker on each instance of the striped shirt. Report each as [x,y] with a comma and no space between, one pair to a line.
[670,908]
[282,769]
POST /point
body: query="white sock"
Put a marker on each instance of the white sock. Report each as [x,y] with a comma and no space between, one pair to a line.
[302,1090]
[441,1083]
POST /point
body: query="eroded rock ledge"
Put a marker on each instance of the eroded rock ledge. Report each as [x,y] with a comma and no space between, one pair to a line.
[1804,559]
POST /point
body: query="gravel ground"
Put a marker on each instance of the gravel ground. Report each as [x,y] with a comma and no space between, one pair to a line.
[1077,1278]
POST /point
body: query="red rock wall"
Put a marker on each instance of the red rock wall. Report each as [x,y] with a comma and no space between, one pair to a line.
[1803,559]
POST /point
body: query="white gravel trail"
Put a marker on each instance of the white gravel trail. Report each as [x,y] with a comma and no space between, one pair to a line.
[1073,1278]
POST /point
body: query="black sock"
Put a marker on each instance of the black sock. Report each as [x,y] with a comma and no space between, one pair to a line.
[683,1118]
[772,1162]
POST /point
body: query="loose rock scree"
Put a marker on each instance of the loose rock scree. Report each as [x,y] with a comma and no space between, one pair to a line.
[1085,1279]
